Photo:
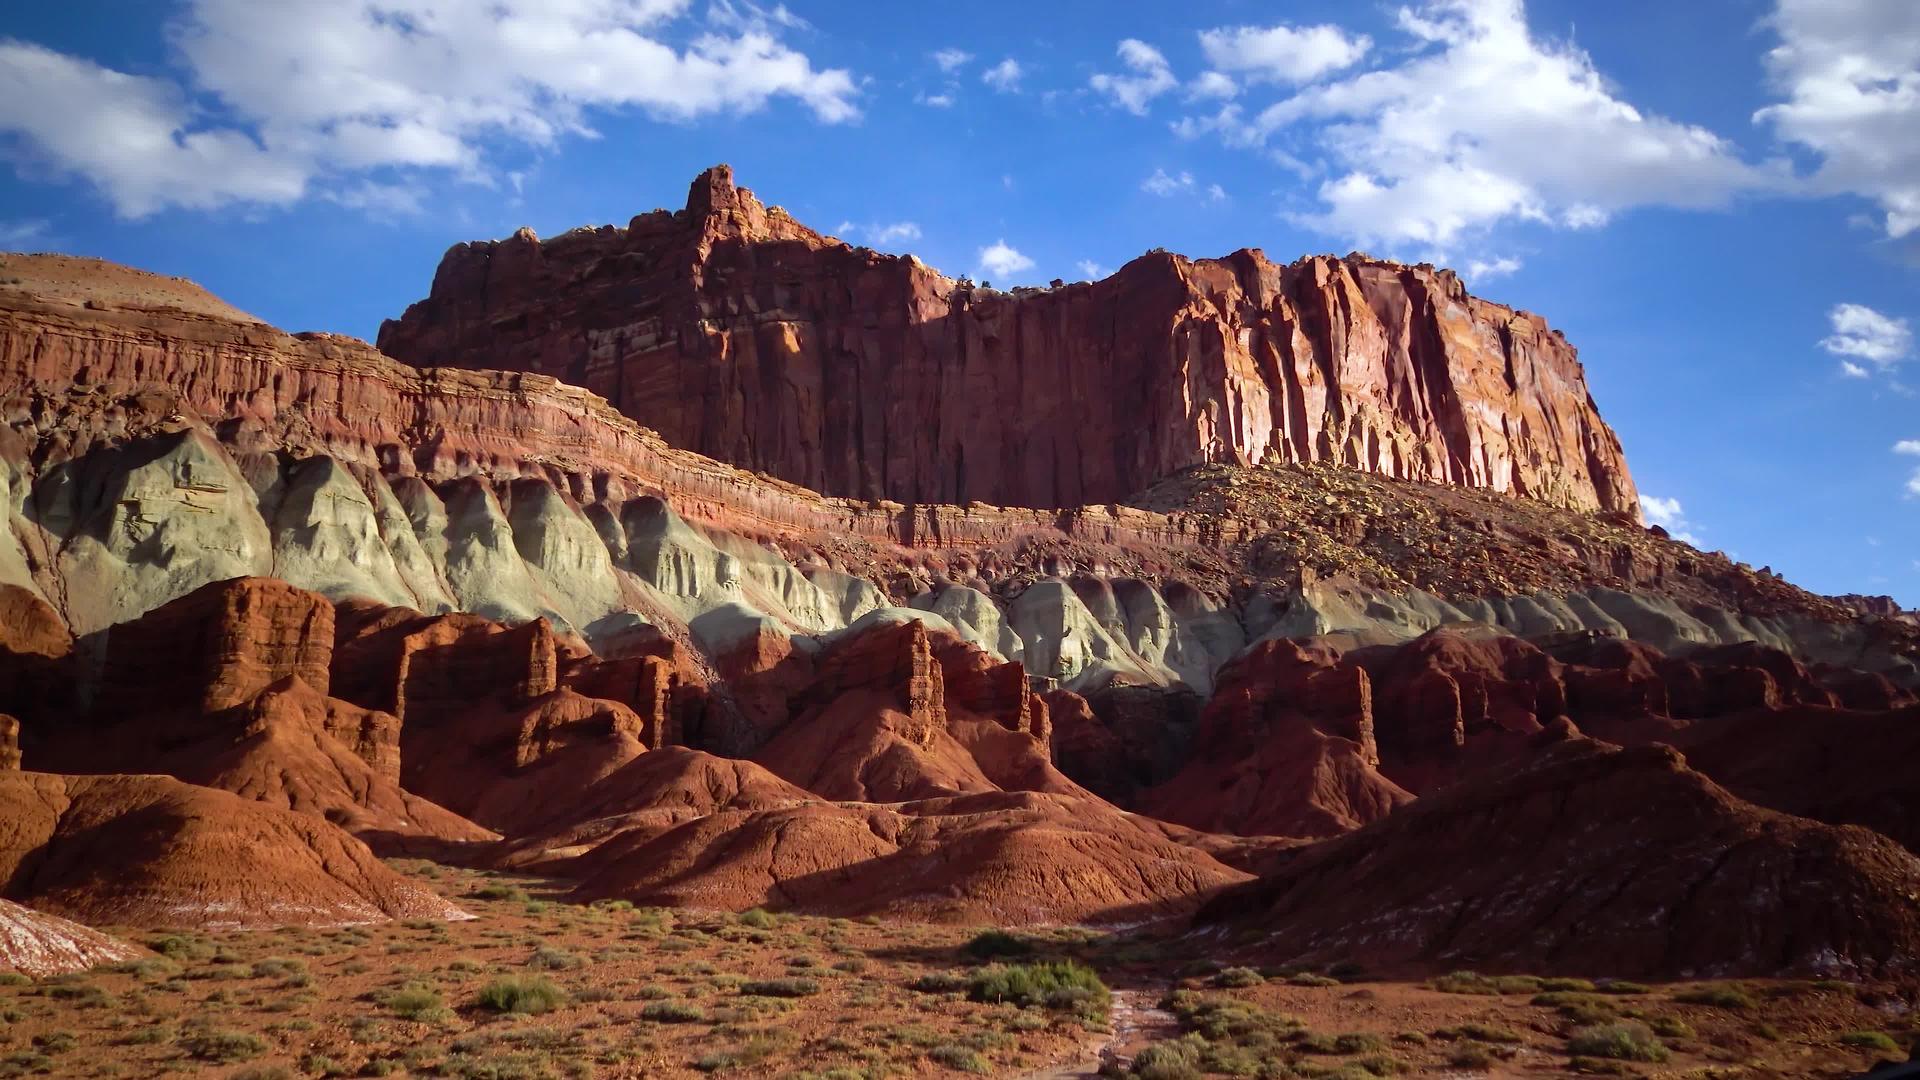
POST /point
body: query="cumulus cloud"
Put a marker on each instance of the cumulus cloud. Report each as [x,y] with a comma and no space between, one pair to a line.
[1150,77]
[882,235]
[951,60]
[1488,269]
[1092,270]
[1479,122]
[314,93]
[1004,76]
[1861,333]
[1910,447]
[1669,515]
[1212,84]
[1283,54]
[1849,72]
[1003,261]
[1167,185]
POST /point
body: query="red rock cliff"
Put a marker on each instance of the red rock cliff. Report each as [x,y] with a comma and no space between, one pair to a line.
[736,332]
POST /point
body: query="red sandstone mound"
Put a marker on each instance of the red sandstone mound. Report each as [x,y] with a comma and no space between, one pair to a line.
[1002,858]
[36,944]
[1594,861]
[1050,398]
[1285,747]
[151,851]
[885,719]
[227,687]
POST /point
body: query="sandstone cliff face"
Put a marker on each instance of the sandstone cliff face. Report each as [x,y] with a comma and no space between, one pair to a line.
[738,333]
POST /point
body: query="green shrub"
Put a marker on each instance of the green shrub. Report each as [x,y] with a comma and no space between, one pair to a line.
[940,982]
[1471,1056]
[997,945]
[546,958]
[412,1001]
[959,1058]
[1057,985]
[1492,1033]
[530,995]
[1720,997]
[1239,977]
[1176,1059]
[498,891]
[211,1044]
[781,988]
[1626,1041]
[1308,978]
[673,1012]
[1870,1040]
[758,919]
[1671,1027]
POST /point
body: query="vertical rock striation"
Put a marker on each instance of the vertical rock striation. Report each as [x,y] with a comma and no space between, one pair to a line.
[736,332]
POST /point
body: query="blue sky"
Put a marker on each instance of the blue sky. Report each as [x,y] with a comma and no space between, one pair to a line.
[1718,201]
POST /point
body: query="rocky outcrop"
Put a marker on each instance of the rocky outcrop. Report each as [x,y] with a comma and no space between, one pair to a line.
[734,331]
[190,856]
[1594,861]
[37,945]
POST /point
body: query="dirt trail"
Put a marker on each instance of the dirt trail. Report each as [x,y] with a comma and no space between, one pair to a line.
[1137,1021]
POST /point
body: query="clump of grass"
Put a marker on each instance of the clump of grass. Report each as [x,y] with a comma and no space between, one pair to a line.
[1308,978]
[1870,1040]
[997,945]
[497,891]
[1239,977]
[1626,1041]
[1671,1027]
[782,988]
[213,1044]
[1492,1033]
[277,967]
[1472,982]
[673,1012]
[531,995]
[940,982]
[1720,997]
[1061,985]
[413,1001]
[757,919]
[547,958]
[1174,1059]
[959,1058]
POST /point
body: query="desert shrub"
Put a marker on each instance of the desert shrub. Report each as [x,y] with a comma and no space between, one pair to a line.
[1671,1027]
[212,1044]
[1175,1059]
[1308,978]
[412,1001]
[530,995]
[1481,1032]
[55,1042]
[997,945]
[277,967]
[1471,1056]
[940,982]
[497,891]
[1237,977]
[1626,1041]
[758,919]
[1472,982]
[1720,997]
[1058,985]
[1230,1023]
[781,988]
[1870,1040]
[959,1058]
[547,958]
[673,1012]
[1622,986]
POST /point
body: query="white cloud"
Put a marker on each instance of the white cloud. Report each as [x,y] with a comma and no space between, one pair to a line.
[1479,122]
[1865,334]
[18,235]
[1668,514]
[1092,270]
[1283,53]
[882,235]
[314,93]
[1004,76]
[934,101]
[1850,74]
[1166,185]
[1151,77]
[1212,84]
[1910,447]
[1488,269]
[1003,261]
[951,60]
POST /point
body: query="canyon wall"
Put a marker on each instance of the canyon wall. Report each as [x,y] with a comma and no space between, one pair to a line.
[734,331]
